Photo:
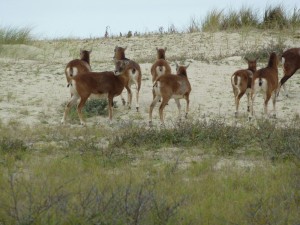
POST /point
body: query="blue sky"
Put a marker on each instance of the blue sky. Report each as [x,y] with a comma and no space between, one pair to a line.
[89,18]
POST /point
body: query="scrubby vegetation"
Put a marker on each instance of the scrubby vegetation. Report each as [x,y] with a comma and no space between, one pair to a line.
[197,173]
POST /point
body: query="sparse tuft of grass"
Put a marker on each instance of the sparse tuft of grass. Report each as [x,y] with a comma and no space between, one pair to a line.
[263,52]
[194,26]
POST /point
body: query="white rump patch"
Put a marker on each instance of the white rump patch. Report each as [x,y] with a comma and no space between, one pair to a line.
[133,75]
[160,72]
[75,71]
[282,60]
[263,87]
[68,71]
[238,81]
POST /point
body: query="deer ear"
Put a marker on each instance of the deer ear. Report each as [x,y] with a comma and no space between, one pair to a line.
[187,66]
[125,48]
[156,48]
[165,48]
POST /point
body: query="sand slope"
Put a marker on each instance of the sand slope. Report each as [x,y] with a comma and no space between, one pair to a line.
[33,85]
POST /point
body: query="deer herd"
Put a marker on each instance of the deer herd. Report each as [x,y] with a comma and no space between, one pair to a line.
[83,83]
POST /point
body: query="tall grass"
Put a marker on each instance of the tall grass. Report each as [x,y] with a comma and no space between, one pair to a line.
[275,17]
[13,35]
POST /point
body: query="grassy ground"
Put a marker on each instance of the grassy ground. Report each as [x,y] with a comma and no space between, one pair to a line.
[199,173]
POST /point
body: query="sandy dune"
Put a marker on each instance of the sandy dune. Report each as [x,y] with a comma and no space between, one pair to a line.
[33,84]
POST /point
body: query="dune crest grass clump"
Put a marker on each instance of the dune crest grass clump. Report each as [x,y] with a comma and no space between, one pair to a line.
[273,17]
[14,35]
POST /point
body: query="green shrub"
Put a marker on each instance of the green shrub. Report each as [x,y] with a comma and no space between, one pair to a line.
[92,107]
[9,145]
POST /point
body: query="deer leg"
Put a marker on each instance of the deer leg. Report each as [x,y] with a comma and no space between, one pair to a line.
[122,99]
[137,106]
[253,95]
[237,102]
[155,100]
[187,106]
[282,84]
[129,96]
[274,103]
[267,97]
[248,101]
[72,102]
[179,108]
[161,109]
[110,102]
[79,108]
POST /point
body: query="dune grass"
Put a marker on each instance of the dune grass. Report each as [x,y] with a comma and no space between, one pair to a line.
[273,17]
[14,35]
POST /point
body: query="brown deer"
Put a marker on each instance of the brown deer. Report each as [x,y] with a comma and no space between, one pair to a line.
[291,63]
[160,66]
[241,82]
[100,84]
[77,66]
[135,79]
[265,80]
[171,86]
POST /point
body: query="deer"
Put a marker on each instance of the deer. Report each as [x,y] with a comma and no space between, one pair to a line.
[77,66]
[265,80]
[99,84]
[241,81]
[161,53]
[160,66]
[291,63]
[135,79]
[171,86]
